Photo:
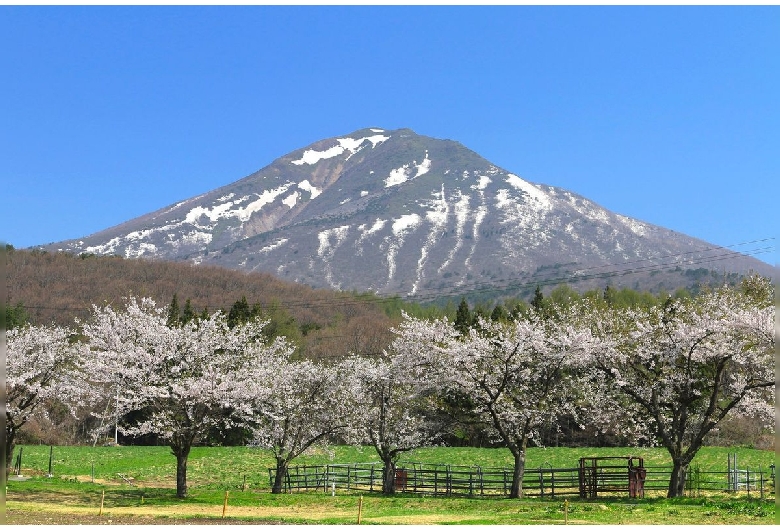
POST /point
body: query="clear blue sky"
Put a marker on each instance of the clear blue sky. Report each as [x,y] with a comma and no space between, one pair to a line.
[670,115]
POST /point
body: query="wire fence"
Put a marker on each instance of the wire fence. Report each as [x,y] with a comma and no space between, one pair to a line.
[458,480]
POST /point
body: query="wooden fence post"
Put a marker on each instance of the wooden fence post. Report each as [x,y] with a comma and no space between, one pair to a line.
[224,504]
[102,500]
[360,509]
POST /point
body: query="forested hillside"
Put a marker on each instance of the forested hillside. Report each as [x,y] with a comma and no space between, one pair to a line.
[59,287]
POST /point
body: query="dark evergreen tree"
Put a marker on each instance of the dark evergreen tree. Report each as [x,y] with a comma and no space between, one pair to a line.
[463,317]
[15,316]
[499,314]
[240,313]
[538,300]
[173,312]
[188,313]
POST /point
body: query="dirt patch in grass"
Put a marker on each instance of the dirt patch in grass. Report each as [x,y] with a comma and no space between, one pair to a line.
[42,509]
[24,517]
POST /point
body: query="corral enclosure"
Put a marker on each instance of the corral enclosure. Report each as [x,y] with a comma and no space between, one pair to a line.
[586,483]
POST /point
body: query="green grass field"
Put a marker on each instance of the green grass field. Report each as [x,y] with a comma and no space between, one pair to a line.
[72,492]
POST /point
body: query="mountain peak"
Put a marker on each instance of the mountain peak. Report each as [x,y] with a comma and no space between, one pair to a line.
[394,212]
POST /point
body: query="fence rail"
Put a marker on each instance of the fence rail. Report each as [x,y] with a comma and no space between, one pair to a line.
[445,479]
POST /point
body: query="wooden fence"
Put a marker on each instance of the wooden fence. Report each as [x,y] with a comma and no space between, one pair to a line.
[449,480]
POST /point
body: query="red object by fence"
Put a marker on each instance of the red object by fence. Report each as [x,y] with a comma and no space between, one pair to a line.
[400,479]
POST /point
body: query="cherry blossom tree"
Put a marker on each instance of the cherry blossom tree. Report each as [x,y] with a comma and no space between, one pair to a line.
[684,366]
[300,404]
[518,377]
[183,379]
[513,377]
[398,392]
[43,362]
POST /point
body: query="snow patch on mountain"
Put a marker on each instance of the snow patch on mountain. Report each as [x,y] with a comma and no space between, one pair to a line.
[424,166]
[378,225]
[106,248]
[439,208]
[339,234]
[397,176]
[437,216]
[405,223]
[524,215]
[461,216]
[502,199]
[230,209]
[291,199]
[140,249]
[635,226]
[401,227]
[535,194]
[273,246]
[327,250]
[353,145]
[404,173]
[307,186]
[479,215]
[195,237]
[137,243]
[482,183]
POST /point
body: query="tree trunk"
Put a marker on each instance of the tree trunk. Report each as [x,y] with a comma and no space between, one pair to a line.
[388,477]
[516,492]
[182,454]
[677,480]
[9,449]
[281,474]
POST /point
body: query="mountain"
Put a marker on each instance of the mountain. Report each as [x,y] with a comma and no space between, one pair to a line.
[394,212]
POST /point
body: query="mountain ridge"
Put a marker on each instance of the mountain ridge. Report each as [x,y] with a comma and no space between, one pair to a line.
[394,212]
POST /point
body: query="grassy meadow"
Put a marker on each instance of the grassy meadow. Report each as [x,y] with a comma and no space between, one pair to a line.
[139,483]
